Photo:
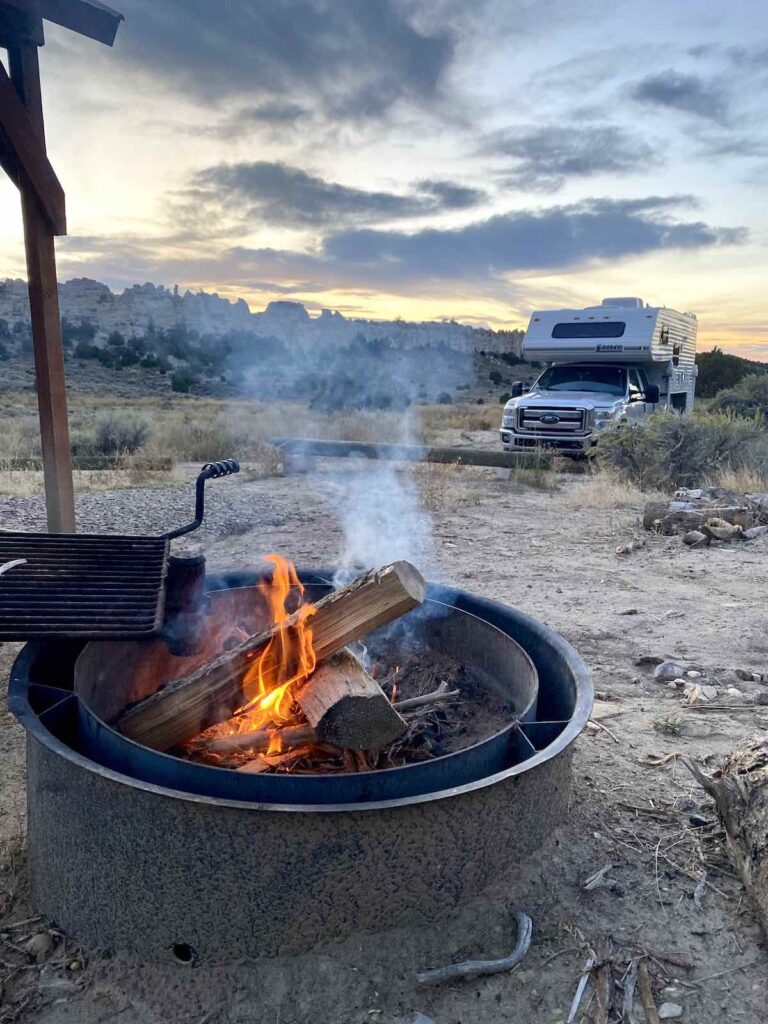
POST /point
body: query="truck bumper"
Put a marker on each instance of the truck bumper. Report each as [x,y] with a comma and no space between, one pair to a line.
[513,442]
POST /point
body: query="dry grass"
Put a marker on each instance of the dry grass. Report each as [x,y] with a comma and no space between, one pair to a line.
[741,480]
[434,419]
[605,490]
[26,482]
[443,487]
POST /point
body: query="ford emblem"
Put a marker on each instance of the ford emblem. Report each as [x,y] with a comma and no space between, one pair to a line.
[549,418]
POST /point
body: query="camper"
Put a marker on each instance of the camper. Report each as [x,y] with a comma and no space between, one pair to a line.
[607,366]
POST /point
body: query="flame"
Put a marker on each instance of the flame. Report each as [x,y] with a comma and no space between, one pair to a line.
[288,659]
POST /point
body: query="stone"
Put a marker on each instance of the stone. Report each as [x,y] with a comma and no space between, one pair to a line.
[673,684]
[708,692]
[670,1011]
[695,539]
[742,673]
[668,670]
[693,674]
[733,692]
[40,946]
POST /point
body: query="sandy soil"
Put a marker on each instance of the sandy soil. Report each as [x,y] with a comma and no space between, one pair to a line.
[552,554]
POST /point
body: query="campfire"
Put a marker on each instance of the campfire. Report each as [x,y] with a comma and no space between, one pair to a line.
[305,696]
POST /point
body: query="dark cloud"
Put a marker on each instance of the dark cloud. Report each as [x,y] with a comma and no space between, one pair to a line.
[544,158]
[274,193]
[689,93]
[529,240]
[482,255]
[352,57]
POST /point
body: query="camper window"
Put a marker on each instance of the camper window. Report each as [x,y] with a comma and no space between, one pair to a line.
[598,329]
[611,380]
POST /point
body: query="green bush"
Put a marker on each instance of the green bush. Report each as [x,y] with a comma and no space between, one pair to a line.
[668,451]
[504,397]
[718,370]
[495,377]
[118,434]
[747,398]
[183,381]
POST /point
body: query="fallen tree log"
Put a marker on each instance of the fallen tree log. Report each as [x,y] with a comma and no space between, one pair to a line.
[670,517]
[305,448]
[740,791]
[185,707]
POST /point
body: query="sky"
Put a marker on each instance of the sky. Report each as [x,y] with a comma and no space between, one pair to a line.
[426,159]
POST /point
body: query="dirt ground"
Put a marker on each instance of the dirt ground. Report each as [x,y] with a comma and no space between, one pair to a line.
[634,807]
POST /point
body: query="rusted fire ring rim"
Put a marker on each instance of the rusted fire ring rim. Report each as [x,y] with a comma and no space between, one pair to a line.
[18,704]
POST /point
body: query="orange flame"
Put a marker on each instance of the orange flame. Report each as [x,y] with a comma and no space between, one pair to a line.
[288,659]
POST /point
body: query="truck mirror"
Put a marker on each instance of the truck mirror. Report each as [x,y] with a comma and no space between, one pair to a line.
[517,389]
[652,393]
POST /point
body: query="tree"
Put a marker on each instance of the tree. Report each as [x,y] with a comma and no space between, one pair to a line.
[495,377]
[718,370]
[116,340]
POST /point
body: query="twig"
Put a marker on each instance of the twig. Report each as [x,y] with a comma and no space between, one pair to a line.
[583,980]
[7,566]
[603,985]
[592,724]
[646,994]
[436,697]
[473,968]
[628,1002]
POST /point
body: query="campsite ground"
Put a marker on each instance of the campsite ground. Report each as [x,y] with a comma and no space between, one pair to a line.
[550,550]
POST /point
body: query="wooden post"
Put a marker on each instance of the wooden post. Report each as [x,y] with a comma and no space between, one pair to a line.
[44,309]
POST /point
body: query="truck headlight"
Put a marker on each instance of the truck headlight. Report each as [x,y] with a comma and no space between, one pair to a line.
[603,417]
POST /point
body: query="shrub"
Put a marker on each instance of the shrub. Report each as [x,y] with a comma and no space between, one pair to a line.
[117,434]
[667,451]
[747,398]
[183,381]
[87,350]
[444,398]
[504,397]
[495,377]
[718,370]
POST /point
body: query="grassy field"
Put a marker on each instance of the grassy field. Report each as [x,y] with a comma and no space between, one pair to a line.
[201,430]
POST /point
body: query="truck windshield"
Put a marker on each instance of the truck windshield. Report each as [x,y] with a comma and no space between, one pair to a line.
[611,380]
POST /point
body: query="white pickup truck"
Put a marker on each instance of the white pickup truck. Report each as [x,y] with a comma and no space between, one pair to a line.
[607,365]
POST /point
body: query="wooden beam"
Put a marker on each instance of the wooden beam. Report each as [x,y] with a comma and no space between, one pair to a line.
[34,167]
[87,17]
[44,310]
[305,446]
[16,26]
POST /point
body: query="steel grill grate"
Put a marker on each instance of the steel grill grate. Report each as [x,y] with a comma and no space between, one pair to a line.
[95,587]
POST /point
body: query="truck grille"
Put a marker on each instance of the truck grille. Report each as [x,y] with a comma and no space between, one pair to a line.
[534,420]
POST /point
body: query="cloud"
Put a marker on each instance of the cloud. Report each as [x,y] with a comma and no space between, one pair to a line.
[482,256]
[274,193]
[351,57]
[544,158]
[690,93]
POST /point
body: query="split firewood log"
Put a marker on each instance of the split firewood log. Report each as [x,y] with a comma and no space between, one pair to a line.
[347,707]
[211,694]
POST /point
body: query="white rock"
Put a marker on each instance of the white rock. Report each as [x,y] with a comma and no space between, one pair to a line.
[669,1011]
[708,692]
[673,684]
[733,692]
[693,674]
[668,670]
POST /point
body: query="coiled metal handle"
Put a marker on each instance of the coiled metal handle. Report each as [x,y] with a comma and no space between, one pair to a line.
[210,471]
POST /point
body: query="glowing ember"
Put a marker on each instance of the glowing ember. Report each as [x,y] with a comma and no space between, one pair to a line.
[270,696]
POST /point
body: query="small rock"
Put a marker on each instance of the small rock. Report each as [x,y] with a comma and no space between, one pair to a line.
[75,966]
[708,692]
[673,684]
[733,692]
[421,1019]
[668,670]
[741,673]
[649,659]
[698,820]
[669,1011]
[693,674]
[40,946]
[695,539]
[628,611]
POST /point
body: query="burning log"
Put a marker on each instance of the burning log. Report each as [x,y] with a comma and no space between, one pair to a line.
[347,707]
[213,692]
